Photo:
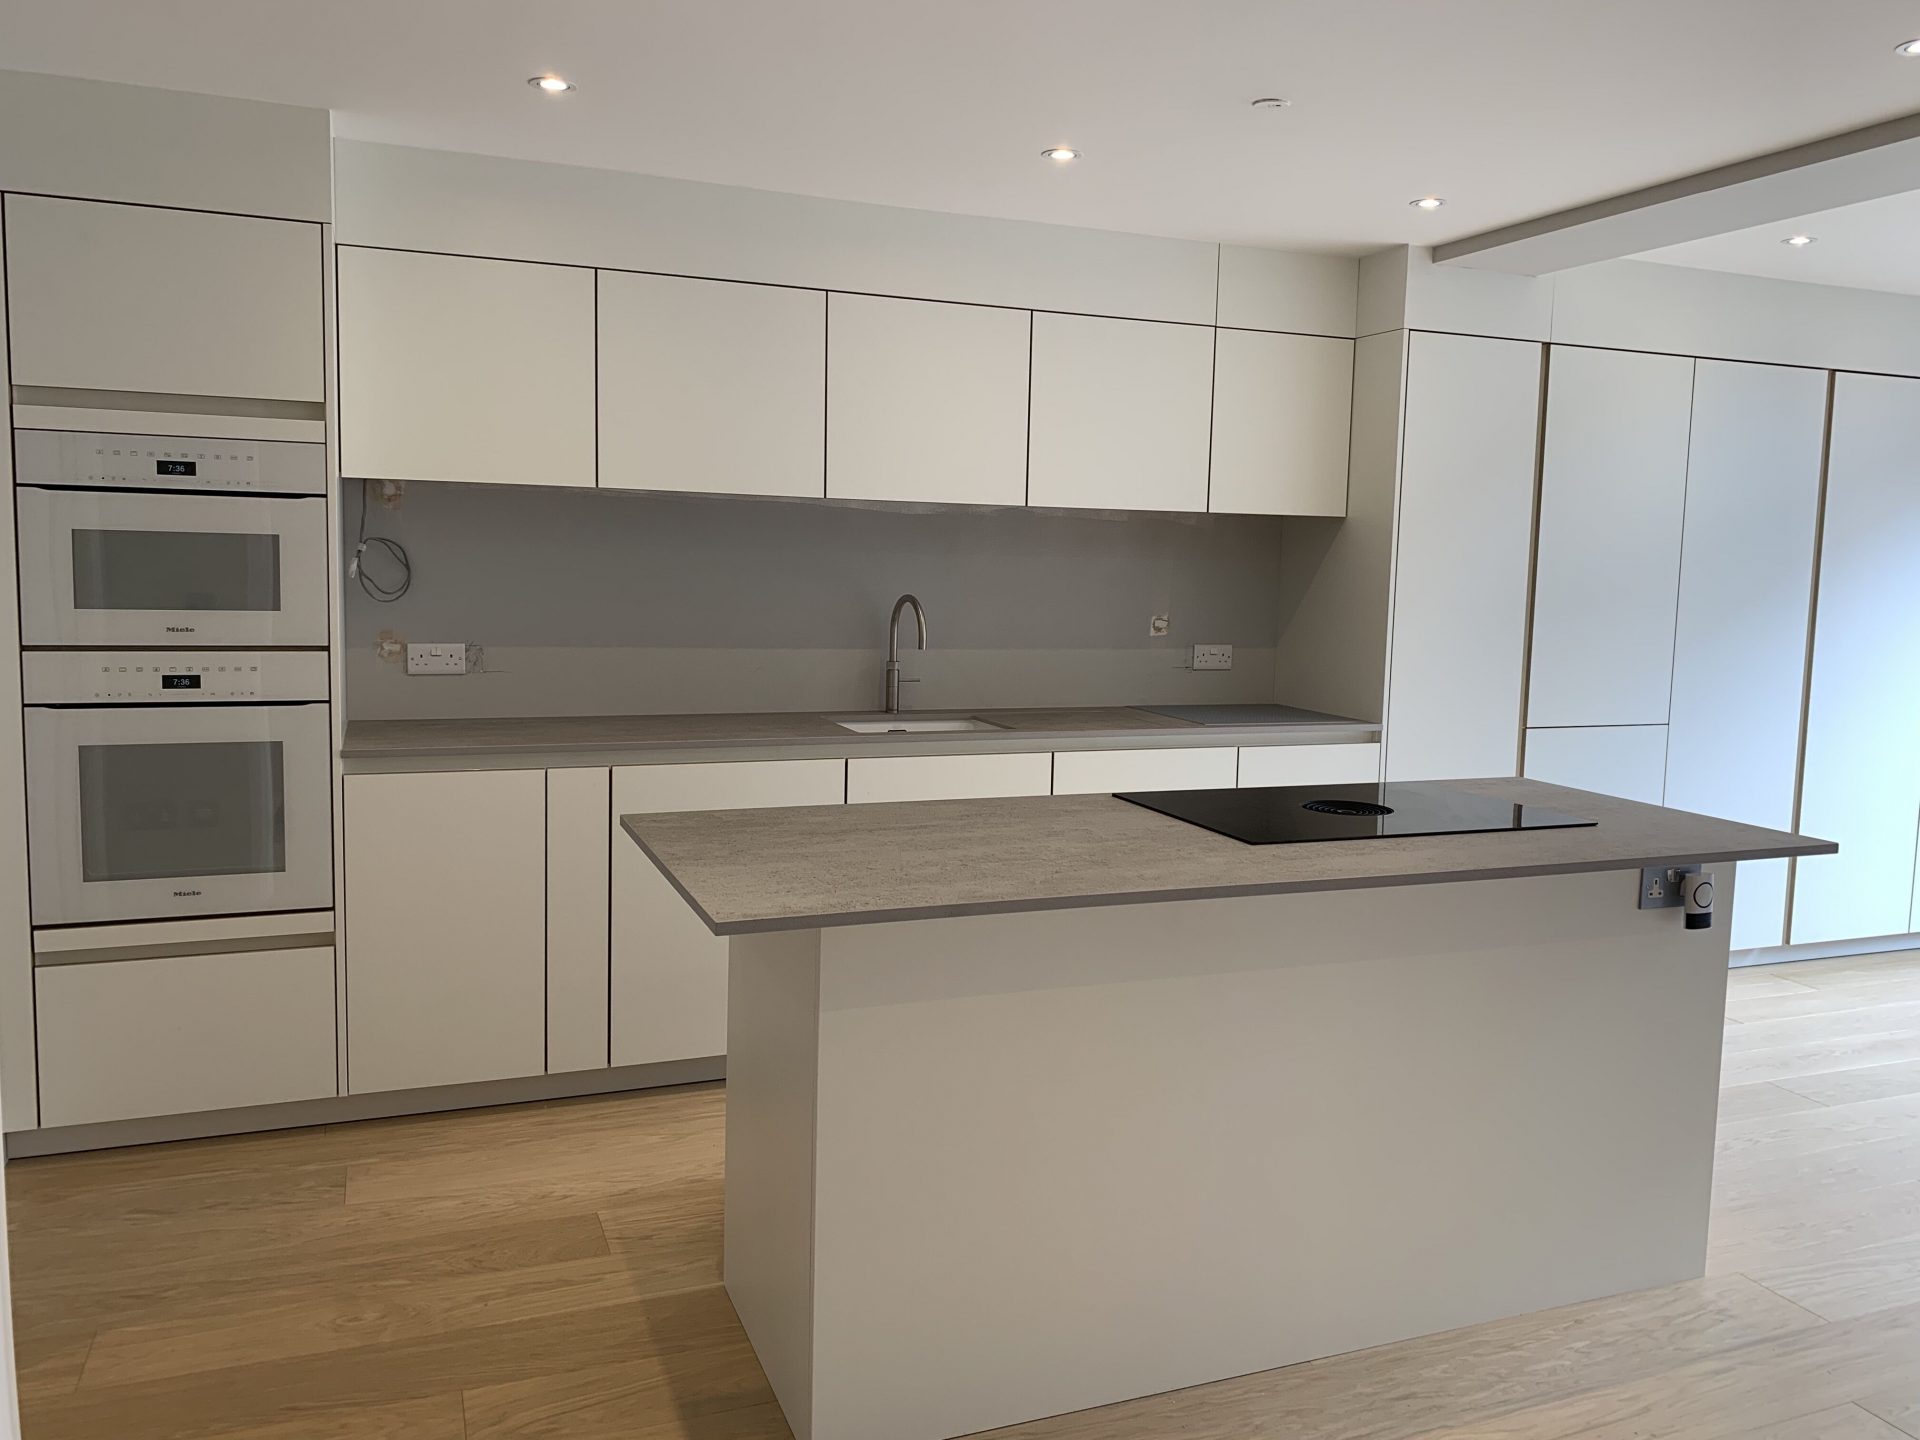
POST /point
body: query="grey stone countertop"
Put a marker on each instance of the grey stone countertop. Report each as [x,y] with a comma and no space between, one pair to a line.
[539,741]
[822,866]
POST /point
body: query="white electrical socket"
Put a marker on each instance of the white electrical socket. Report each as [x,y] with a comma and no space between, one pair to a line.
[444,659]
[1213,657]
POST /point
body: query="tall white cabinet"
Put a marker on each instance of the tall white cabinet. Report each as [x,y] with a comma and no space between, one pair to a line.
[1861,781]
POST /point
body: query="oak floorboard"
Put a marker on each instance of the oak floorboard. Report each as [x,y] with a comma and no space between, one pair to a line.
[1751,1102]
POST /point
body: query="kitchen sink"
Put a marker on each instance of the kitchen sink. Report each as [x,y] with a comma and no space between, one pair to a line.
[916,724]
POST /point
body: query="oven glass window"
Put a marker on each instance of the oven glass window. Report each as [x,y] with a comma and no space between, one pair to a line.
[152,812]
[175,570]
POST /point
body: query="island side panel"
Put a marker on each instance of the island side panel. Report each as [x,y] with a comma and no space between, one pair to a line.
[773,1014]
[1072,1157]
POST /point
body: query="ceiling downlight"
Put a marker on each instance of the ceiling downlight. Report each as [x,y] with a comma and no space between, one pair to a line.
[551,84]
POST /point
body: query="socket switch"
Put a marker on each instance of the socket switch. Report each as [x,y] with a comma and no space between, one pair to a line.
[445,659]
[1213,657]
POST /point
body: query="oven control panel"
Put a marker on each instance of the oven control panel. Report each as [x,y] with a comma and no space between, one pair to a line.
[65,458]
[172,677]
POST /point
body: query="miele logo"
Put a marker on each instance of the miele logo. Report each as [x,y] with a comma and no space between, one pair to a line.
[184,894]
[180,629]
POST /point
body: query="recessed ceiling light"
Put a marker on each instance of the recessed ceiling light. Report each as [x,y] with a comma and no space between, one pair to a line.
[1909,48]
[1799,242]
[1427,202]
[1060,154]
[1270,102]
[551,84]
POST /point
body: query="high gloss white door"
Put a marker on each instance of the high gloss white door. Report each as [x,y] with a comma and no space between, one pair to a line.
[1282,407]
[1121,414]
[579,903]
[453,368]
[1340,764]
[926,401]
[446,928]
[1459,636]
[1625,760]
[1613,490]
[669,982]
[1861,781]
[883,778]
[707,385]
[139,298]
[1106,772]
[1746,580]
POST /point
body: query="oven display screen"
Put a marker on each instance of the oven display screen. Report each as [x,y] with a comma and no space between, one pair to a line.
[175,467]
[179,682]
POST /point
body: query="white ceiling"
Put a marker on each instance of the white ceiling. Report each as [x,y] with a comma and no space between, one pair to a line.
[1873,246]
[1509,108]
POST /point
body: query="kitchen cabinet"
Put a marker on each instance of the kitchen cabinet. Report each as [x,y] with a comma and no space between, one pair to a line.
[1282,412]
[1120,414]
[669,980]
[1341,764]
[947,777]
[1613,487]
[926,401]
[176,302]
[446,929]
[578,908]
[1470,433]
[711,386]
[1861,779]
[453,368]
[1746,580]
[181,1034]
[1625,760]
[1104,772]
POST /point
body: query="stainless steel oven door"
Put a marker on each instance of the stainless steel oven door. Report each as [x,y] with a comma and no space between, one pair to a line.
[104,567]
[147,813]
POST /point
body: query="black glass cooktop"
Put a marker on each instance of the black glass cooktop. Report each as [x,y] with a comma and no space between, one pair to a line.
[1294,814]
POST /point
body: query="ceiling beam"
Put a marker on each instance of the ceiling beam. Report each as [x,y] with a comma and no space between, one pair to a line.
[1864,164]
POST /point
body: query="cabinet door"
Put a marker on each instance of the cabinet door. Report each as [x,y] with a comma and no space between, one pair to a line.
[182,1034]
[1625,760]
[1344,764]
[1471,435]
[947,777]
[1120,414]
[577,918]
[926,401]
[669,993]
[1861,781]
[711,386]
[1282,411]
[1612,493]
[1746,581]
[1106,772]
[446,928]
[453,368]
[130,297]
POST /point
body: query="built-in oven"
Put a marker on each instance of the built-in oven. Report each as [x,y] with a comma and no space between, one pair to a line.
[169,784]
[160,540]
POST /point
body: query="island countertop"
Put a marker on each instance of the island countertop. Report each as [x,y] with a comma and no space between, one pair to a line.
[820,867]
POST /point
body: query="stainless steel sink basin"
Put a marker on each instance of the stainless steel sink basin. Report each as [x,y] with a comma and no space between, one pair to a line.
[915,724]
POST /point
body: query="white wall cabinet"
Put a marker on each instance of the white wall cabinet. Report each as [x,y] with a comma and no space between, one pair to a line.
[947,777]
[1342,764]
[1861,780]
[1105,772]
[926,401]
[446,928]
[1613,486]
[1625,760]
[1746,580]
[138,298]
[177,1035]
[1282,412]
[578,909]
[453,368]
[669,983]
[1120,415]
[711,386]
[1459,632]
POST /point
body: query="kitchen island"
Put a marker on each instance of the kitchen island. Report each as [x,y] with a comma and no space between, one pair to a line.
[1039,1104]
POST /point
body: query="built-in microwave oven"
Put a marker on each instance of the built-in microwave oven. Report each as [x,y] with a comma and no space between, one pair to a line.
[160,540]
[163,784]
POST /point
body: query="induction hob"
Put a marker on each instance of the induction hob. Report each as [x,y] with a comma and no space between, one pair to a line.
[1298,814]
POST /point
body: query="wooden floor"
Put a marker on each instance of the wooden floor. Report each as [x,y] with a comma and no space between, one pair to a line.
[553,1271]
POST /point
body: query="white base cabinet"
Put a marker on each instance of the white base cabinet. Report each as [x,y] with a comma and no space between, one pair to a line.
[1105,772]
[668,988]
[175,1035]
[947,777]
[446,928]
[1350,764]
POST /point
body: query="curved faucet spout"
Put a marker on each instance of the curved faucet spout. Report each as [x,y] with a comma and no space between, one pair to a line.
[893,645]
